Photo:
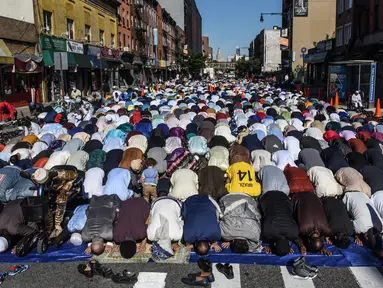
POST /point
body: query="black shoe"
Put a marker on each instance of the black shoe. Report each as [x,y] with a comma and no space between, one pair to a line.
[226,270]
[308,266]
[191,281]
[209,278]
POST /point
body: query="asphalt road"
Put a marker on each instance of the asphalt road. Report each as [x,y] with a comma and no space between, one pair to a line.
[59,275]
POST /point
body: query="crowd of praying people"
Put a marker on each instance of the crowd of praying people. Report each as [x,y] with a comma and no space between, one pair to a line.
[208,165]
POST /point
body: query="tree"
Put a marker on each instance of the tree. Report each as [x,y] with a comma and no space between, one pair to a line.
[245,67]
[193,62]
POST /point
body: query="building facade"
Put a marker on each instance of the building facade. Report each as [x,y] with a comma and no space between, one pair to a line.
[125,25]
[186,15]
[309,22]
[85,31]
[207,51]
[20,65]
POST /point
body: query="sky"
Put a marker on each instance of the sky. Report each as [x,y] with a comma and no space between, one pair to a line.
[231,23]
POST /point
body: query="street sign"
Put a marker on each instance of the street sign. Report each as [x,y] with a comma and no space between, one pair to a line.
[303,50]
[61,60]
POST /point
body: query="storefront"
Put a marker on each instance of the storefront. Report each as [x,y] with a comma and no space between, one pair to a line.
[98,64]
[112,67]
[348,76]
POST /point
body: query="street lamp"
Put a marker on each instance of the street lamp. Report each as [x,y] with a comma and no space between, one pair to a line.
[261,20]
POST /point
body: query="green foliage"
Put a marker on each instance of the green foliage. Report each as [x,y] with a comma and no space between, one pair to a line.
[245,67]
[193,62]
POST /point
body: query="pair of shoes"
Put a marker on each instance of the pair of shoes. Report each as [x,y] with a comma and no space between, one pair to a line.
[17,269]
[302,270]
[226,270]
[126,278]
[99,270]
[192,281]
[205,265]
[209,278]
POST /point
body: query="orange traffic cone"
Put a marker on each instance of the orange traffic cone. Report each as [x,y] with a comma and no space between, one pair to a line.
[299,88]
[309,92]
[157,89]
[377,109]
[243,94]
[336,98]
[318,94]
[142,92]
[331,101]
[236,92]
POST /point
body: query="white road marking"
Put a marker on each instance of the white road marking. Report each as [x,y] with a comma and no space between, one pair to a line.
[150,280]
[291,282]
[222,282]
[367,277]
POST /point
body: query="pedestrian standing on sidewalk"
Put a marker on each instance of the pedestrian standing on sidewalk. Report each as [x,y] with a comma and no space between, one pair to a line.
[149,180]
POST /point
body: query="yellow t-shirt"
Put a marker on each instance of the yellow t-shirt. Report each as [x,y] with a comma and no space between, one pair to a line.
[242,179]
[31,139]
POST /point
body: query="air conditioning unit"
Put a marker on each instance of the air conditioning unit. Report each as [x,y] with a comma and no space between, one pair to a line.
[47,29]
[87,37]
[126,49]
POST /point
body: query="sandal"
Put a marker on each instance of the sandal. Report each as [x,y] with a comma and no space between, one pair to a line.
[17,269]
[226,270]
[85,270]
[125,278]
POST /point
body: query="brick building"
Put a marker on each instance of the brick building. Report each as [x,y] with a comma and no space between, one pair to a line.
[207,51]
[125,25]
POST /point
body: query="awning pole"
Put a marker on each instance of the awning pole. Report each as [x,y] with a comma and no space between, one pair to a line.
[360,70]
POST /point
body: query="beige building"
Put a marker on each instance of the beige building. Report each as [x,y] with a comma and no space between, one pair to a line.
[312,21]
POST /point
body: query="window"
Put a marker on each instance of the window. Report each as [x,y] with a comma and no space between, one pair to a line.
[124,40]
[347,33]
[70,28]
[348,4]
[133,45]
[131,20]
[119,40]
[87,33]
[339,36]
[101,37]
[340,6]
[47,22]
[112,37]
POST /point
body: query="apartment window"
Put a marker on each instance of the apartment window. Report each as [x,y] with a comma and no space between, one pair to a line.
[131,20]
[128,41]
[339,36]
[124,40]
[347,33]
[101,37]
[47,21]
[133,44]
[119,40]
[70,28]
[348,4]
[112,36]
[340,6]
[87,33]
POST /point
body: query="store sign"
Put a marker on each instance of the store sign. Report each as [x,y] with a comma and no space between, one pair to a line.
[155,37]
[75,47]
[110,53]
[55,44]
[301,8]
[372,82]
[93,50]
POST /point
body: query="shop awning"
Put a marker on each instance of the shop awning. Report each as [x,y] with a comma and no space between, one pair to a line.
[48,58]
[26,58]
[318,57]
[79,60]
[5,54]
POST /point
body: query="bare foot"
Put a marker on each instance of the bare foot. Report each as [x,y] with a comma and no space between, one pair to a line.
[189,247]
[88,250]
[13,251]
[291,251]
[325,252]
[358,241]
[329,242]
[303,250]
[116,248]
[176,247]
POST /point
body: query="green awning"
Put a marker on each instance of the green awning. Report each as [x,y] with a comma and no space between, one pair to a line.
[48,58]
[79,60]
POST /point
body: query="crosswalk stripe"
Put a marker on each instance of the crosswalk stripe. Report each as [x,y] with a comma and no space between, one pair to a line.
[367,277]
[222,282]
[150,280]
[291,282]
